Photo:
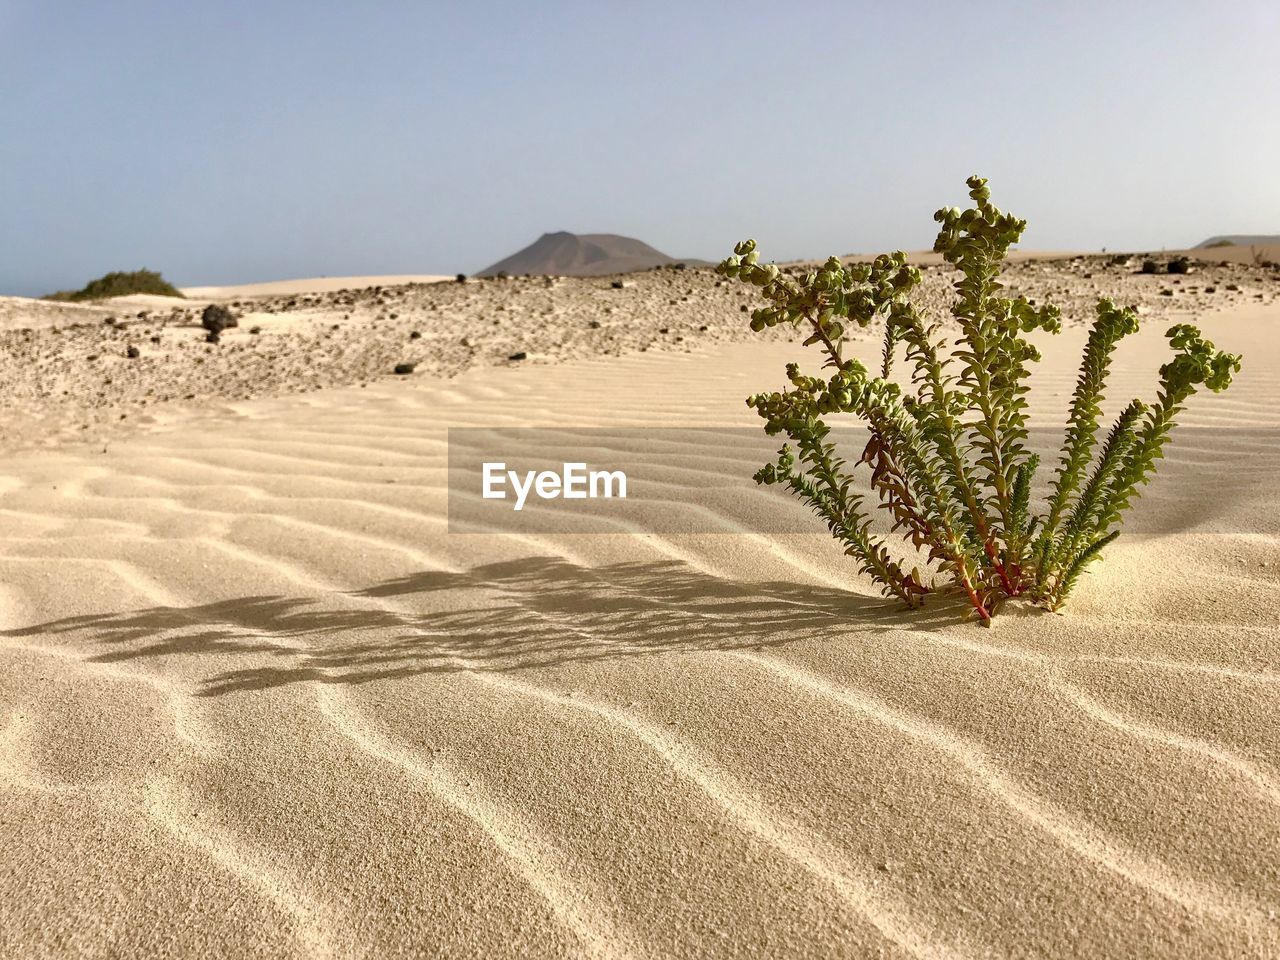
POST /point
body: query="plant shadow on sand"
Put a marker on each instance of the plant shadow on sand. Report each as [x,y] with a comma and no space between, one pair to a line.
[536,612]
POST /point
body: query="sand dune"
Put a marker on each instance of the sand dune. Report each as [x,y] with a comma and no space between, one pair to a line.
[276,288]
[69,373]
[259,702]
[1238,252]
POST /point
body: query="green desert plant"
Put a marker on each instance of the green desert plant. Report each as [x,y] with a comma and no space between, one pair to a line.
[947,455]
[120,284]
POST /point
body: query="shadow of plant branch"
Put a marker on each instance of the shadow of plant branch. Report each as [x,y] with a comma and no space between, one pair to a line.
[530,613]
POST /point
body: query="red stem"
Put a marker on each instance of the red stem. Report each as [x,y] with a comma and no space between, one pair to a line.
[1010,589]
[977,603]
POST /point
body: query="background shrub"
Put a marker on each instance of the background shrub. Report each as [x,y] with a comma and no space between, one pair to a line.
[120,284]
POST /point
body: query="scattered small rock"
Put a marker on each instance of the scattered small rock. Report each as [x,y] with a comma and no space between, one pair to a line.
[518,356]
[215,318]
[404,369]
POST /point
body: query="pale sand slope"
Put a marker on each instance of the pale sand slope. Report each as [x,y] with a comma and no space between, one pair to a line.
[19,312]
[275,288]
[257,702]
[1237,253]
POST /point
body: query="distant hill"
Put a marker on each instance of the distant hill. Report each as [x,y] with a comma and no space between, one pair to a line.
[1240,240]
[586,255]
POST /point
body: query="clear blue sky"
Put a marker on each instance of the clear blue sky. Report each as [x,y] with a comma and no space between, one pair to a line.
[240,141]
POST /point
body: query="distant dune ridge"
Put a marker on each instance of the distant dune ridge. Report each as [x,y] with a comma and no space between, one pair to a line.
[1241,240]
[309,285]
[566,254]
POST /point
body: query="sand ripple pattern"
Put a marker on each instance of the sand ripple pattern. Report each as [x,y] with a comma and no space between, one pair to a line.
[251,676]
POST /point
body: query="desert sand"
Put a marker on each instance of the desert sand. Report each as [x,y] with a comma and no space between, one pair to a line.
[258,701]
[68,377]
[1250,253]
[277,288]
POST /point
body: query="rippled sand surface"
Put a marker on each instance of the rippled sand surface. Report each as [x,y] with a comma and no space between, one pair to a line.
[257,701]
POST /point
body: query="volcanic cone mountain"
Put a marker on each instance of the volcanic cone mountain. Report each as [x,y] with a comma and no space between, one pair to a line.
[587,255]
